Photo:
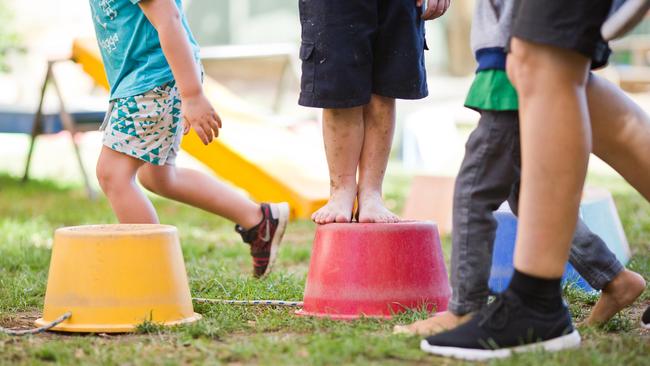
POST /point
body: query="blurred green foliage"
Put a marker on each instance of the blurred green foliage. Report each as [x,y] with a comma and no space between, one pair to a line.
[9,38]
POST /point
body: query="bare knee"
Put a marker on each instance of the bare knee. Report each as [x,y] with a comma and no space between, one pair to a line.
[111,180]
[147,181]
[380,101]
[521,67]
[535,67]
[342,115]
[156,183]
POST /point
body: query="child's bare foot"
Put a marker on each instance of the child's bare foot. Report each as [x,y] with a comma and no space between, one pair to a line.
[436,324]
[338,208]
[621,292]
[373,210]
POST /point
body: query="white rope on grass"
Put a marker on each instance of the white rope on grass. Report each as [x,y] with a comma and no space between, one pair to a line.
[249,302]
[38,330]
[67,315]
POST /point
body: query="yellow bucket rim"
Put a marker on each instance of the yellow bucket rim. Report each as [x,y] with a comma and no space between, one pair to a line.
[116,230]
[110,328]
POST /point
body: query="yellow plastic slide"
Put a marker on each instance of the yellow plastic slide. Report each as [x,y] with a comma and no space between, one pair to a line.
[272,163]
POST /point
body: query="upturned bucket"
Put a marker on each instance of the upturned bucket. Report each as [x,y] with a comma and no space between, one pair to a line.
[114,277]
[375,270]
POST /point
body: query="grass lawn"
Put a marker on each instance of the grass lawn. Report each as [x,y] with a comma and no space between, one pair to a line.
[218,267]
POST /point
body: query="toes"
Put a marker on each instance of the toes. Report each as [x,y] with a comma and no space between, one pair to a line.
[341,219]
[364,220]
[320,217]
[326,218]
[316,217]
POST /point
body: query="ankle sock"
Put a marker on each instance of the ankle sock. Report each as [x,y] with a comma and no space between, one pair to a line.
[540,294]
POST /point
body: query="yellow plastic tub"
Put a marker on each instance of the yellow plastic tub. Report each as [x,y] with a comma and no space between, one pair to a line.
[114,277]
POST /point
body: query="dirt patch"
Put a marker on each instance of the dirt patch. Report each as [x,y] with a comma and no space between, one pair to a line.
[19,321]
[25,320]
[635,313]
[240,337]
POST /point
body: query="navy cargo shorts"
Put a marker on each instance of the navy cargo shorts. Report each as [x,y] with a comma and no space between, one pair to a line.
[354,48]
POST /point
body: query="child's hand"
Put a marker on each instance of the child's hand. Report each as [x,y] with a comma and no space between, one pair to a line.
[435,8]
[198,113]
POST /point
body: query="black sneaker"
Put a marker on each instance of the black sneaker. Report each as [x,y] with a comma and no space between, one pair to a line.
[645,318]
[266,236]
[505,326]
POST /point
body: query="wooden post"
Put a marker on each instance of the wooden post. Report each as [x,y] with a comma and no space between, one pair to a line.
[37,127]
[461,60]
[68,122]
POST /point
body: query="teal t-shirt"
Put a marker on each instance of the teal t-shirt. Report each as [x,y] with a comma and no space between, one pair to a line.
[130,47]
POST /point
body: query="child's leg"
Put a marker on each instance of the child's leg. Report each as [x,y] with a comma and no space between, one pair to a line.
[379,126]
[200,190]
[619,293]
[486,178]
[549,70]
[553,173]
[621,133]
[555,145]
[261,226]
[489,170]
[593,260]
[343,131]
[621,137]
[116,174]
[610,119]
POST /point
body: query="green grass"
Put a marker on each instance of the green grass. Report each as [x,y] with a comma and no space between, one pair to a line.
[218,267]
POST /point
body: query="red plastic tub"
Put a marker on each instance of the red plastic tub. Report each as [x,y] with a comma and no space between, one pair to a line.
[375,270]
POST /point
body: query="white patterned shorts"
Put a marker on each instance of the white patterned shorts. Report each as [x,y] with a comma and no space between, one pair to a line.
[146,126]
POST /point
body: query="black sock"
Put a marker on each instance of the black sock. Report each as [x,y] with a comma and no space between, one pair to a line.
[537,293]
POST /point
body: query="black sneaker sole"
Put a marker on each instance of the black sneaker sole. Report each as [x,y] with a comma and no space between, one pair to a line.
[281,212]
[571,340]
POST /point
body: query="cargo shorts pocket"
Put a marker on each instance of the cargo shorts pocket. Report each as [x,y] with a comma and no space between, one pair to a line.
[308,66]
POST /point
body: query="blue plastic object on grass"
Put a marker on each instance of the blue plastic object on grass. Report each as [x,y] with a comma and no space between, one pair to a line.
[597,211]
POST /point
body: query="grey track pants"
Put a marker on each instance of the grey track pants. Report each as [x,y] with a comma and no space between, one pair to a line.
[490,175]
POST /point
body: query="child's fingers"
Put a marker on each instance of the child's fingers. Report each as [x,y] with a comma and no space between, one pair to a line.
[186,127]
[203,135]
[418,2]
[435,9]
[440,9]
[444,5]
[208,131]
[218,119]
[215,119]
[430,10]
[214,126]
